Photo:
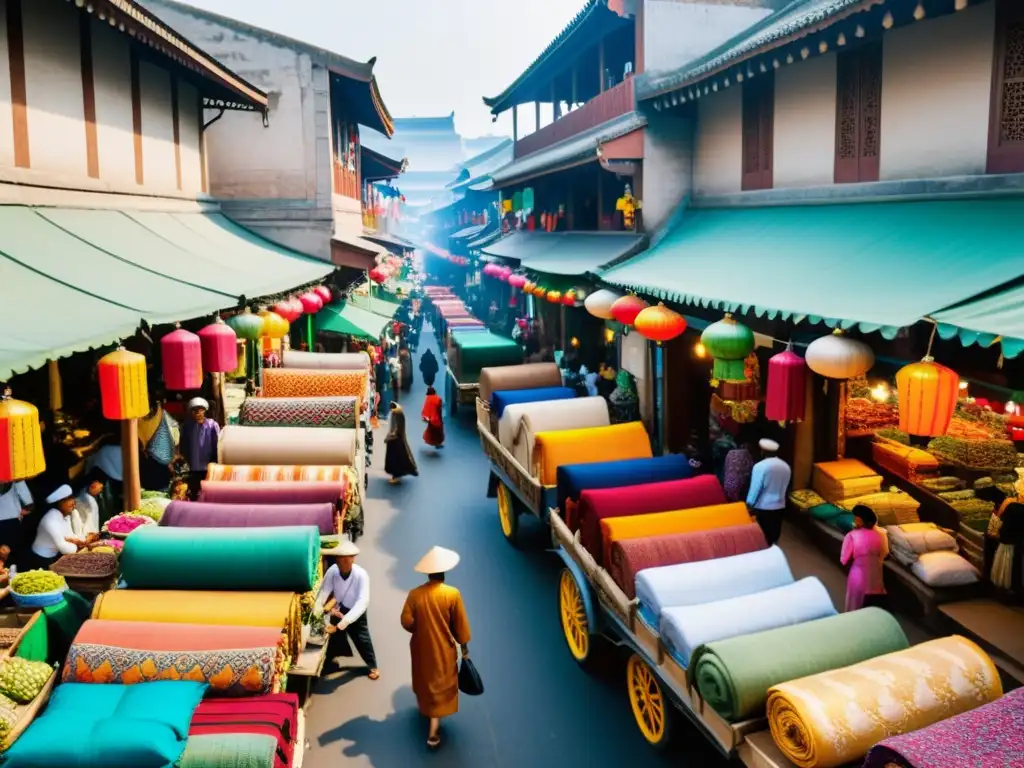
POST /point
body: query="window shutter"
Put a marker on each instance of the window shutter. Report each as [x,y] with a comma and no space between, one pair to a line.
[870,127]
[767,132]
[858,114]
[758,120]
[1006,123]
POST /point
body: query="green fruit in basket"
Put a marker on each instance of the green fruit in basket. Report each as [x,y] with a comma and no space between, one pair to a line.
[22,680]
[8,716]
[37,582]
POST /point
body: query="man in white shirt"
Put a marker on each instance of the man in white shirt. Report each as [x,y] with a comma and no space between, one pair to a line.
[347,586]
[15,504]
[769,481]
[85,520]
[55,536]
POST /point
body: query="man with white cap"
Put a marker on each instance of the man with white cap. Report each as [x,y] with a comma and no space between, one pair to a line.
[769,482]
[347,587]
[199,438]
[436,616]
[54,537]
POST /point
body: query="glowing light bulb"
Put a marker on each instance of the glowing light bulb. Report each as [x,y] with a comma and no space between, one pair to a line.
[700,350]
[880,393]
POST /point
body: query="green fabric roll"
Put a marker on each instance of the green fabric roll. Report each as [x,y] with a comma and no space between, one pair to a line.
[825,512]
[254,559]
[734,675]
[482,349]
[229,750]
[843,522]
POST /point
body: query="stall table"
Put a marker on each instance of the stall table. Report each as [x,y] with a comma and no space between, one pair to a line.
[997,627]
[309,665]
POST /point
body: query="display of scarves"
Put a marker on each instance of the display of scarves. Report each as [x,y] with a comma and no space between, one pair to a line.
[233,660]
[338,412]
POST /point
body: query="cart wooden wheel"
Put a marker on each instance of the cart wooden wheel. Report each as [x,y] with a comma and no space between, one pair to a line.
[508,515]
[651,709]
[575,625]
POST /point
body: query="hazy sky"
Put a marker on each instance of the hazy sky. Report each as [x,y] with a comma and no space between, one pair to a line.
[433,56]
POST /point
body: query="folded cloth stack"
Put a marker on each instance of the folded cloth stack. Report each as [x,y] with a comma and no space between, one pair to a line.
[520,424]
[504,398]
[684,629]
[631,556]
[295,445]
[200,514]
[902,460]
[333,412]
[893,507]
[294,382]
[991,736]
[709,581]
[627,501]
[734,675]
[833,718]
[234,733]
[944,569]
[234,660]
[908,542]
[845,479]
[587,446]
[504,378]
[805,499]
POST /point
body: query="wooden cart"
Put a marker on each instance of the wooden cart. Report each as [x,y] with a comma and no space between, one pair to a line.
[26,712]
[460,394]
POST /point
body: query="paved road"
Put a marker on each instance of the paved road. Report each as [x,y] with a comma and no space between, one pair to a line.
[540,710]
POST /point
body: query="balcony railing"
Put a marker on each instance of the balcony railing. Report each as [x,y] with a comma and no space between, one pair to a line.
[617,100]
[346,182]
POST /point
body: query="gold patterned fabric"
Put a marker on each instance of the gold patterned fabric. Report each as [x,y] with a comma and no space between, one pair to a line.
[290,382]
[834,718]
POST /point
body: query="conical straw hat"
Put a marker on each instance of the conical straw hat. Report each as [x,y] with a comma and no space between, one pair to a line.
[437,560]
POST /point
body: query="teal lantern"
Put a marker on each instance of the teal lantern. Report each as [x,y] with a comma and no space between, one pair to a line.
[246,325]
[728,343]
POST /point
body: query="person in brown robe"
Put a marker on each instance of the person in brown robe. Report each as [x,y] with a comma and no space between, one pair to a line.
[436,617]
[398,459]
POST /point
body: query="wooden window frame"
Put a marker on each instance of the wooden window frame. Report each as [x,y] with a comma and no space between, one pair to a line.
[1003,158]
[758,126]
[860,70]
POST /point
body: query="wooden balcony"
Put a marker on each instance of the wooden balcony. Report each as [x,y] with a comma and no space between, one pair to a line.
[616,101]
[346,182]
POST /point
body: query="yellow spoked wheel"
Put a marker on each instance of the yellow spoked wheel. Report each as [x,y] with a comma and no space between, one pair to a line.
[507,514]
[650,707]
[574,617]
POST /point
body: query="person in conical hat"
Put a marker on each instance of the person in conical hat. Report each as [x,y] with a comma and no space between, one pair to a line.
[345,592]
[435,615]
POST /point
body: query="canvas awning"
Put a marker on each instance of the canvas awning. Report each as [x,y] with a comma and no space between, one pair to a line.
[74,279]
[565,253]
[877,266]
[351,320]
[997,314]
[355,252]
[468,233]
[385,306]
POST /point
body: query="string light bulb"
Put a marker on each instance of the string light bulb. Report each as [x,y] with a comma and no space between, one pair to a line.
[919,12]
[700,351]
[880,392]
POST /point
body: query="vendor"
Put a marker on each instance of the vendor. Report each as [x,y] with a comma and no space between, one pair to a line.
[15,504]
[55,536]
[199,439]
[85,520]
[346,586]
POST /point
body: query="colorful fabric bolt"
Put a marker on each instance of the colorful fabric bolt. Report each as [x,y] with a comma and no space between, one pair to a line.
[586,446]
[199,514]
[293,382]
[340,412]
[273,715]
[504,398]
[507,378]
[294,445]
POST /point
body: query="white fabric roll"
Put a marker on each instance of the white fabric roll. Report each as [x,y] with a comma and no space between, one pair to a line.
[520,423]
[287,445]
[326,361]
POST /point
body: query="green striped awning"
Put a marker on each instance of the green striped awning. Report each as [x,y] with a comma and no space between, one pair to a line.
[348,319]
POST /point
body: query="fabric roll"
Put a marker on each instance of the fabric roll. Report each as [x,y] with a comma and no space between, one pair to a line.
[476,351]
[240,473]
[834,718]
[322,412]
[677,521]
[630,556]
[520,424]
[291,445]
[511,377]
[573,479]
[587,446]
[595,505]
[734,675]
[991,736]
[501,400]
[234,661]
[686,628]
[325,361]
[198,514]
[263,559]
[247,609]
[273,715]
[710,581]
[292,382]
[272,492]
[229,750]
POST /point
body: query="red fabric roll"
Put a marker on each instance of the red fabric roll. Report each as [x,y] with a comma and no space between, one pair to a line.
[625,501]
[630,556]
[271,715]
[301,492]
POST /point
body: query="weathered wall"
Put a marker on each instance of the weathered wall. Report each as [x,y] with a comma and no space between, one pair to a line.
[805,123]
[667,167]
[719,143]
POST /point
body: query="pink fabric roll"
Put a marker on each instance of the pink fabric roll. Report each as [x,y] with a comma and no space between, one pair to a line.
[225,492]
[197,514]
[630,556]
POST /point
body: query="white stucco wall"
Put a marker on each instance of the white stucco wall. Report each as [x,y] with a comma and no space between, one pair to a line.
[111,67]
[188,139]
[936,91]
[6,124]
[805,124]
[158,165]
[719,143]
[667,167]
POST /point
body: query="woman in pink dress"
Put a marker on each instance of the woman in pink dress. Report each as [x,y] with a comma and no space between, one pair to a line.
[864,550]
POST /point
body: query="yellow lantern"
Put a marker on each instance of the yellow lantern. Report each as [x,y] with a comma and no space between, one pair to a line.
[21,442]
[927,394]
[123,389]
[274,326]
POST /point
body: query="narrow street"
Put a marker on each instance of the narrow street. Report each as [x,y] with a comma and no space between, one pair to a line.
[539,709]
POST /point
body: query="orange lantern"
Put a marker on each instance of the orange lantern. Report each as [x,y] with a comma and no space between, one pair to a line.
[659,323]
[625,309]
[539,292]
[21,442]
[555,297]
[927,394]
[529,287]
[123,389]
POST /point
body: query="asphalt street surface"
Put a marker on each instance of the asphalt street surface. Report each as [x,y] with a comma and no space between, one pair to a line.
[539,708]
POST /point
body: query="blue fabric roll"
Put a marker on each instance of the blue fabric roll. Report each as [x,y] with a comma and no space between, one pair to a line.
[500,400]
[573,479]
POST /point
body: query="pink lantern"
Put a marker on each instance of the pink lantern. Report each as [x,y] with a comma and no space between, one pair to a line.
[489,269]
[311,303]
[517,281]
[182,354]
[297,308]
[220,347]
[288,310]
[378,275]
[787,380]
[504,273]
[324,293]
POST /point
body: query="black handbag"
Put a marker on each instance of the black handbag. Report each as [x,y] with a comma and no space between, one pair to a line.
[469,679]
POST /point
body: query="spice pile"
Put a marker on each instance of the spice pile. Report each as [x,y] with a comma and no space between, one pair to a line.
[86,565]
[123,524]
[37,582]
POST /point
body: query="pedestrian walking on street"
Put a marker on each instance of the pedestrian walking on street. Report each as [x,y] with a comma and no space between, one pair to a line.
[398,460]
[405,361]
[433,410]
[429,367]
[345,594]
[436,617]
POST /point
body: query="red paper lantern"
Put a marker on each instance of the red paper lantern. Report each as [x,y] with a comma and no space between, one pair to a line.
[311,303]
[220,347]
[787,387]
[285,309]
[324,293]
[181,353]
[378,275]
[659,323]
[625,309]
[569,299]
[21,441]
[124,393]
[297,309]
[928,393]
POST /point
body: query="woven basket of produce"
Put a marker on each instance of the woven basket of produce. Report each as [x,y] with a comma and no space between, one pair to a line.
[87,571]
[119,526]
[37,589]
[8,636]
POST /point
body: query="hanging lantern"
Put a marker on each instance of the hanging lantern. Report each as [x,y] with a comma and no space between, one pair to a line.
[517,281]
[927,394]
[539,292]
[554,297]
[728,343]
[123,390]
[787,387]
[488,270]
[296,311]
[286,309]
[569,299]
[220,347]
[529,287]
[311,303]
[659,323]
[839,357]
[626,308]
[247,325]
[377,275]
[181,353]
[21,440]
[599,303]
[505,273]
[324,293]
[274,326]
